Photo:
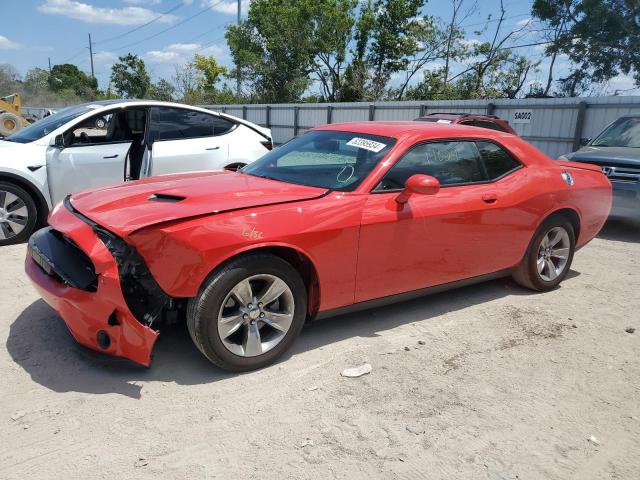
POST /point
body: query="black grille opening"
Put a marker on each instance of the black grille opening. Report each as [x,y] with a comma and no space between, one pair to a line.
[60,258]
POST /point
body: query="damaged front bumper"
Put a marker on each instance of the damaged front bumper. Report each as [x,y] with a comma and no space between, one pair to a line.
[98,284]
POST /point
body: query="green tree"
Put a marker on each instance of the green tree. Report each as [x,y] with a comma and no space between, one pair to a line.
[394,40]
[161,90]
[350,48]
[334,22]
[209,72]
[273,49]
[129,77]
[36,80]
[69,77]
[601,37]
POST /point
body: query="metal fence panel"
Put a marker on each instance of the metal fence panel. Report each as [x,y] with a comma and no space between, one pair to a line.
[555,127]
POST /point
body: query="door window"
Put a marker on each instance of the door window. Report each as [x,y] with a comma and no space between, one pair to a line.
[111,127]
[496,160]
[169,123]
[452,163]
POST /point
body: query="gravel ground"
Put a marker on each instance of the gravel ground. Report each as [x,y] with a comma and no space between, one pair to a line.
[486,382]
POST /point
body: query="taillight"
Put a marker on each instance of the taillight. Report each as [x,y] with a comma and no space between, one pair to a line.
[267,144]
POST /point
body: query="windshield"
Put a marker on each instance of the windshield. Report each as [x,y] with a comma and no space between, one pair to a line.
[48,124]
[325,159]
[624,132]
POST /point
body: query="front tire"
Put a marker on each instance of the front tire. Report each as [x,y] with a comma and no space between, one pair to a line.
[248,313]
[18,214]
[549,256]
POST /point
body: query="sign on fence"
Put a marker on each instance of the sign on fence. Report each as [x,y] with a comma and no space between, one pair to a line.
[522,116]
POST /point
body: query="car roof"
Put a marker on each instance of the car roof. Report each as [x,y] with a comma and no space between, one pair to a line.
[455,116]
[120,102]
[402,129]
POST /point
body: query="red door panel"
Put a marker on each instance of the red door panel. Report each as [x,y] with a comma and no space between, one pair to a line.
[458,233]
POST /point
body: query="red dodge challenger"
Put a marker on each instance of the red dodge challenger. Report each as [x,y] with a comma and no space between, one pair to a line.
[343,217]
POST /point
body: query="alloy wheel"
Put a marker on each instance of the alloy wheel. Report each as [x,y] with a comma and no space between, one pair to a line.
[553,254]
[14,215]
[256,315]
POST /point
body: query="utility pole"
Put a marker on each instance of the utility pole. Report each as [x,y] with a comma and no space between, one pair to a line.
[91,55]
[239,79]
[49,64]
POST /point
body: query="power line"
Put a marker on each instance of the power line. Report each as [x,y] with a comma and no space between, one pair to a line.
[81,52]
[170,28]
[208,31]
[171,10]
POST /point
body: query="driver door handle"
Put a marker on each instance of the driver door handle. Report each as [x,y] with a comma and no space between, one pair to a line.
[213,148]
[489,198]
[111,156]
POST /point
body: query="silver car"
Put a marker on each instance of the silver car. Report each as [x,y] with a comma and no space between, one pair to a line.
[617,151]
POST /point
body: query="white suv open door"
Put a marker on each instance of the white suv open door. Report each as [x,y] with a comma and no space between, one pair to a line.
[93,153]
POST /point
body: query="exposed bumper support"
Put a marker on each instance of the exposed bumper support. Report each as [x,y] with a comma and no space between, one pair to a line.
[100,319]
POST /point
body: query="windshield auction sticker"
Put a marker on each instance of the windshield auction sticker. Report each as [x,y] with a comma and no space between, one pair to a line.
[366,144]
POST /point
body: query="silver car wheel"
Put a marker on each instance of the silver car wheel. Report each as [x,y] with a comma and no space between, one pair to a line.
[14,215]
[256,315]
[553,254]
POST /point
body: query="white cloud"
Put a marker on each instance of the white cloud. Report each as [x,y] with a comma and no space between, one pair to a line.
[623,85]
[228,7]
[143,2]
[104,57]
[181,52]
[6,44]
[91,14]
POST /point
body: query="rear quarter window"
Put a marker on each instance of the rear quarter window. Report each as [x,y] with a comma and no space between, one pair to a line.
[168,123]
[497,161]
[222,126]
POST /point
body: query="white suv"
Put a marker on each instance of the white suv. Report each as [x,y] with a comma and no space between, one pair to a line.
[108,142]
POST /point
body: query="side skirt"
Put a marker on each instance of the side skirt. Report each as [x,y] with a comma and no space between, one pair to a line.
[402,297]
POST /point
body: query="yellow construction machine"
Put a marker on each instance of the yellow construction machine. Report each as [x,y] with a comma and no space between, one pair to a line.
[11,119]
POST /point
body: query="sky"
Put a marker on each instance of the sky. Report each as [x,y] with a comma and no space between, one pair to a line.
[166,33]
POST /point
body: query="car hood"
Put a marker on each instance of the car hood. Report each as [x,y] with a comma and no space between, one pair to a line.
[123,209]
[606,155]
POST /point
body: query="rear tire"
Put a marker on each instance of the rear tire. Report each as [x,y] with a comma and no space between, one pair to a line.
[18,214]
[248,313]
[549,256]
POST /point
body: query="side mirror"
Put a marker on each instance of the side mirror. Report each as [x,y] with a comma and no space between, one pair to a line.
[58,142]
[584,141]
[419,184]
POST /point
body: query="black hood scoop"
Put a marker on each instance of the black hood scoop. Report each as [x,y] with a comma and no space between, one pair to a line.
[164,198]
